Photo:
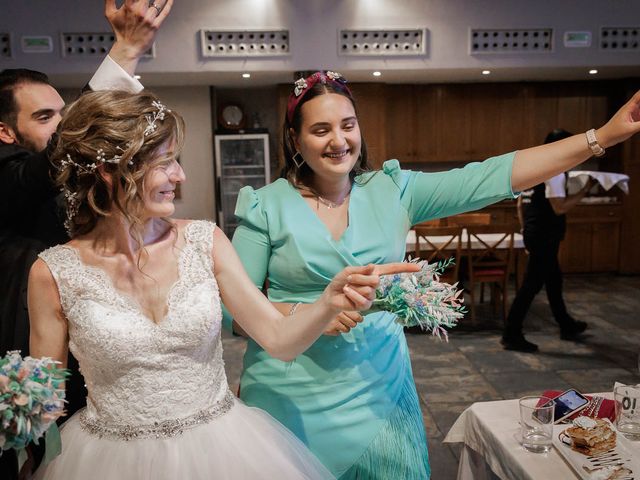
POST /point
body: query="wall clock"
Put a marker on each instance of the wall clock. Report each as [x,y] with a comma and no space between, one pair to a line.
[231,116]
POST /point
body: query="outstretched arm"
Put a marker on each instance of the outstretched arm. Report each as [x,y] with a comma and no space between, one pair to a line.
[135,24]
[48,325]
[285,337]
[534,165]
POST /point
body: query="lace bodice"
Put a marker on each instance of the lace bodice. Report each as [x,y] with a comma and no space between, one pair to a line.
[136,371]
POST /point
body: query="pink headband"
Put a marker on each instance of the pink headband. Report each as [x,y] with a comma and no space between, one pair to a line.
[303,85]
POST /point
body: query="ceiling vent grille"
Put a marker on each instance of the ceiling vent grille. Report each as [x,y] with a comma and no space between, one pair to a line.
[91,44]
[5,46]
[244,43]
[620,39]
[532,40]
[388,43]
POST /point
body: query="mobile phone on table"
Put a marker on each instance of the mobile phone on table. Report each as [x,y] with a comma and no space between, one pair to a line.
[568,403]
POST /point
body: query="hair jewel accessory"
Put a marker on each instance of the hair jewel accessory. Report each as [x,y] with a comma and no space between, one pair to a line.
[335,76]
[73,205]
[303,85]
[71,197]
[152,119]
[81,169]
[300,86]
[100,158]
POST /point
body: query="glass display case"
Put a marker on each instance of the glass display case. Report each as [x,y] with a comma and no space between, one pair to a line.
[241,159]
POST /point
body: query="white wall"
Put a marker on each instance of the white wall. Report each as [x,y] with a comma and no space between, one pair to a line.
[197,157]
[313,25]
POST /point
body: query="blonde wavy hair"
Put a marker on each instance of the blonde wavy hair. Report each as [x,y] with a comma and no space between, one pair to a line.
[115,123]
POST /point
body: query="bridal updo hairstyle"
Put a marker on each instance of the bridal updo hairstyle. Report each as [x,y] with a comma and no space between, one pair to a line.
[110,124]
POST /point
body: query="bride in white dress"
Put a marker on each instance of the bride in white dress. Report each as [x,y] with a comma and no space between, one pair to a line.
[136,298]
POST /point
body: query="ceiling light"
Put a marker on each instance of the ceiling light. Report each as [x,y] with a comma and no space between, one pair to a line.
[593,71]
[377,74]
[486,72]
[246,75]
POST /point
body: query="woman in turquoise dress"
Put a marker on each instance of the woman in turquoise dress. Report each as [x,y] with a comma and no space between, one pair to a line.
[351,397]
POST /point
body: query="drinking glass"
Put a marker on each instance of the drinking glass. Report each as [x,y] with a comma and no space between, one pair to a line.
[627,398]
[536,421]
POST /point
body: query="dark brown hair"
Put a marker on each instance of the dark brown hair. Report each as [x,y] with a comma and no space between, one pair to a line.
[300,176]
[10,79]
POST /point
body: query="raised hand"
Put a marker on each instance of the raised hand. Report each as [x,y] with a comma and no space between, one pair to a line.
[135,24]
[624,124]
[355,287]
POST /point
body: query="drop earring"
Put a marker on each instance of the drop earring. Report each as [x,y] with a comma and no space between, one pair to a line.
[298,160]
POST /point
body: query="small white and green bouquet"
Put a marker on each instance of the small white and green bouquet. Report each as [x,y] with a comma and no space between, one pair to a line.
[31,399]
[421,299]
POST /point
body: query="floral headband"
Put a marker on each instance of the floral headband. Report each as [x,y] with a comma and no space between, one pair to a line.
[303,85]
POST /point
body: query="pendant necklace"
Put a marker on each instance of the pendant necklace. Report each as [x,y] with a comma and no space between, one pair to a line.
[329,204]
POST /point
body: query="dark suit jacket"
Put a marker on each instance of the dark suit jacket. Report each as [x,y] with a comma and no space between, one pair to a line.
[31,220]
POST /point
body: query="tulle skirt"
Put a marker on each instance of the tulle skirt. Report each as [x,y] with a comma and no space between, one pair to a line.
[244,443]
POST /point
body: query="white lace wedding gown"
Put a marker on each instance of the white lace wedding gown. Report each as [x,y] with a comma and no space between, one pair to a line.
[159,406]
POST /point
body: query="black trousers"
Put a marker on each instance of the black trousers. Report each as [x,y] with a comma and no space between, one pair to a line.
[543,269]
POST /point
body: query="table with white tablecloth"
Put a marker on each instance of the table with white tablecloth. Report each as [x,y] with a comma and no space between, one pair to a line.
[490,432]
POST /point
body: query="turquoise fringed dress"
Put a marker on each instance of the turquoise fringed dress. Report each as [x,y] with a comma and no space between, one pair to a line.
[350,398]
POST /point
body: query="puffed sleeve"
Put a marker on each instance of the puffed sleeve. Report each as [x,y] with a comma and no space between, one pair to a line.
[251,240]
[441,194]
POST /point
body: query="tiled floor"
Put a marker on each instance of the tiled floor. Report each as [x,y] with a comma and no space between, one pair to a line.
[473,367]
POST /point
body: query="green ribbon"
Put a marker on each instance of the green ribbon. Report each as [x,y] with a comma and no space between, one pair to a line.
[52,443]
[22,457]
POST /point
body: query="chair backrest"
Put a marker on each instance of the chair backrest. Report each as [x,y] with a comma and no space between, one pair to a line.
[490,246]
[440,243]
[438,222]
[465,219]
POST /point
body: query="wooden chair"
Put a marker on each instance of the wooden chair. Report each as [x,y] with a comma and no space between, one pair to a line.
[438,222]
[447,245]
[489,250]
[465,219]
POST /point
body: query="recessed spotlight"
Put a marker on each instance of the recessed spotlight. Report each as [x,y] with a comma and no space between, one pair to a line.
[137,77]
[486,72]
[377,74]
[593,71]
[246,75]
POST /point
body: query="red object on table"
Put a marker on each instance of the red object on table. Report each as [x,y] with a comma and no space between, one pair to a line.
[607,408]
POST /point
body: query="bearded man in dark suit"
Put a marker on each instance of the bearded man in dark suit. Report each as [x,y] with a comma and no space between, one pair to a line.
[31,208]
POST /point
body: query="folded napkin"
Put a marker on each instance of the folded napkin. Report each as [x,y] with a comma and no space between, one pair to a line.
[606,408]
[607,180]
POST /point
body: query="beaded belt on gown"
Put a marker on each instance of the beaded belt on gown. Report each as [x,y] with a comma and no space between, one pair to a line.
[160,429]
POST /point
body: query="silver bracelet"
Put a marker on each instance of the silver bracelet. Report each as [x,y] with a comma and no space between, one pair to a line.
[294,307]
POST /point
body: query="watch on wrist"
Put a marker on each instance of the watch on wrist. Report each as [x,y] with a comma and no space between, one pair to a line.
[594,146]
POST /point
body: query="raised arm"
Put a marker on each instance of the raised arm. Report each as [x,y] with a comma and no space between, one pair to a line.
[135,24]
[534,165]
[48,325]
[285,337]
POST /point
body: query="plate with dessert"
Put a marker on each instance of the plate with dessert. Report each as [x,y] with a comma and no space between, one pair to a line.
[594,450]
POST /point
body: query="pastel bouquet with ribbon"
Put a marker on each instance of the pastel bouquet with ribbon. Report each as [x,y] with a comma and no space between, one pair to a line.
[421,299]
[31,399]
